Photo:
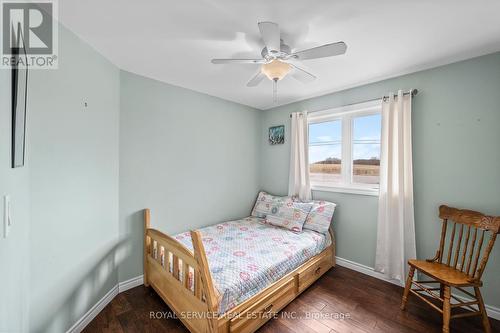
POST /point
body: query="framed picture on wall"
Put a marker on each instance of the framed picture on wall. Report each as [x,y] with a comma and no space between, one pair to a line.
[19,95]
[277,135]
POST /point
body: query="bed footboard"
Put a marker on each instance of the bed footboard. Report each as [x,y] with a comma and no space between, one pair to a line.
[180,277]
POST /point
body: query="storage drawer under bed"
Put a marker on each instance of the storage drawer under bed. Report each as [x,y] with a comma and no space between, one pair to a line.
[256,315]
[313,271]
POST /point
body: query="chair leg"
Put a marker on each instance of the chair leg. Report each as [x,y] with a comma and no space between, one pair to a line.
[446,309]
[409,279]
[441,290]
[484,315]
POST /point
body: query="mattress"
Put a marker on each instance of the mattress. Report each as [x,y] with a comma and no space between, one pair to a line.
[245,256]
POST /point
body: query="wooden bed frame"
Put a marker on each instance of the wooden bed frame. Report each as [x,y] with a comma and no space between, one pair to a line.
[189,291]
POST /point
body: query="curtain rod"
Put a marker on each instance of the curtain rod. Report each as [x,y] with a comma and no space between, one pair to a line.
[411,92]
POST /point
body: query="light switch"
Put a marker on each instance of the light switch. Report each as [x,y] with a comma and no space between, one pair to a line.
[7,222]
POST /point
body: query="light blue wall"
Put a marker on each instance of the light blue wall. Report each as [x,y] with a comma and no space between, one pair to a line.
[14,250]
[456,122]
[73,159]
[179,149]
[195,160]
[191,158]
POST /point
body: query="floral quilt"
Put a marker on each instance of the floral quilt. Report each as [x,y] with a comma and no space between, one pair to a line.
[245,256]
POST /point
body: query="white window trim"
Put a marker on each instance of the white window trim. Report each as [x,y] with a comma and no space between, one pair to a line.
[361,190]
[345,114]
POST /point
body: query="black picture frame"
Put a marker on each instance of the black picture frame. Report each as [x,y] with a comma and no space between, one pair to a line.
[19,99]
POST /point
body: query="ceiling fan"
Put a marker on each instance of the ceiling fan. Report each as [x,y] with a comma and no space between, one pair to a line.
[278,60]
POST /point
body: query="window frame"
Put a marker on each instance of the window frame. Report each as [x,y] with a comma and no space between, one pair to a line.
[346,114]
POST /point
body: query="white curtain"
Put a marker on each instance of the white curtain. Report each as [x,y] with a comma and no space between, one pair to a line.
[298,181]
[396,225]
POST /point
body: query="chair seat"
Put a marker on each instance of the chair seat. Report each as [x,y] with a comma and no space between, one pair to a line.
[443,273]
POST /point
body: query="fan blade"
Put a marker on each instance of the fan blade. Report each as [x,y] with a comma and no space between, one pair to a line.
[327,50]
[302,75]
[238,61]
[256,79]
[270,33]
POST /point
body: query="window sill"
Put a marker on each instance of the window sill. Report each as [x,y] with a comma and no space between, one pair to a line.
[348,189]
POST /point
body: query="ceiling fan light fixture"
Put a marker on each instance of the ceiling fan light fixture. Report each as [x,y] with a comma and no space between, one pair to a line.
[275,57]
[276,70]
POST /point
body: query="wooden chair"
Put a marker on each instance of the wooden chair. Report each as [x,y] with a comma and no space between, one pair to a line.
[460,268]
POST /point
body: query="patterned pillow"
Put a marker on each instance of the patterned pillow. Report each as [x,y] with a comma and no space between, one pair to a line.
[291,216]
[320,216]
[269,204]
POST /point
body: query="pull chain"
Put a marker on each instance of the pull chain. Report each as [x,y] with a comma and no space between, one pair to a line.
[275,90]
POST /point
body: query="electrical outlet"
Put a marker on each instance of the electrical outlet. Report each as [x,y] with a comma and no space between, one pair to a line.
[7,222]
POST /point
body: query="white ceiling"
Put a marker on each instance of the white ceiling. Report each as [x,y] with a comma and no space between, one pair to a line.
[173,41]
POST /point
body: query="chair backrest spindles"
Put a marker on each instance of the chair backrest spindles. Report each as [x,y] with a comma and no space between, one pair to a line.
[457,250]
[450,249]
[471,252]
[441,242]
[478,253]
[464,251]
[467,257]
[486,255]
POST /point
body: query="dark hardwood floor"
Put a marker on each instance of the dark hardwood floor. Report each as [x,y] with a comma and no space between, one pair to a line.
[372,305]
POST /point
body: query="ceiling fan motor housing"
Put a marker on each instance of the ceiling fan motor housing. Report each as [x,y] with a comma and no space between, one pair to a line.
[282,54]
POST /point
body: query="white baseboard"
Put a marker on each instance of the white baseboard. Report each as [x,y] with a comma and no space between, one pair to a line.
[94,311]
[131,283]
[365,270]
[493,312]
[101,304]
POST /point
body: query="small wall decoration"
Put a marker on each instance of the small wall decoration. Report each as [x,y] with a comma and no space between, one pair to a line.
[277,135]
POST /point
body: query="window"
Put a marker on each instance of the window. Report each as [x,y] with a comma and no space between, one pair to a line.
[344,149]
[325,152]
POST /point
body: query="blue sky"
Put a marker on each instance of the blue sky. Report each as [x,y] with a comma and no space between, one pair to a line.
[325,139]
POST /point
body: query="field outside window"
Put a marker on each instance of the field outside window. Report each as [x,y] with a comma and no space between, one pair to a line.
[344,150]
